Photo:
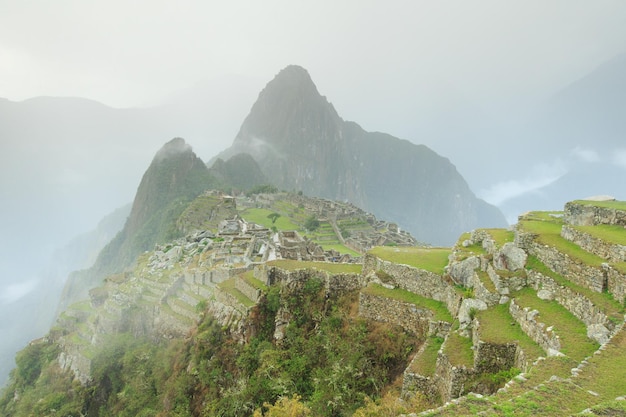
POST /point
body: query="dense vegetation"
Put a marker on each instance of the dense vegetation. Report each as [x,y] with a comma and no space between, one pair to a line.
[329,362]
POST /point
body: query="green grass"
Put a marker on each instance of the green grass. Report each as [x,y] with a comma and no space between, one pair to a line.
[550,234]
[333,268]
[606,373]
[426,363]
[437,307]
[250,279]
[550,216]
[259,216]
[618,205]
[612,308]
[487,282]
[428,259]
[229,287]
[572,331]
[498,326]
[459,350]
[607,232]
[472,250]
[501,236]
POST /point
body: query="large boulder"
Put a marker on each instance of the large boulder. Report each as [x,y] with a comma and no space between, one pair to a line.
[510,257]
[463,272]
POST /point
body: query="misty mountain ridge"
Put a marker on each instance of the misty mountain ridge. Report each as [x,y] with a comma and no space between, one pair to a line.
[572,148]
[301,143]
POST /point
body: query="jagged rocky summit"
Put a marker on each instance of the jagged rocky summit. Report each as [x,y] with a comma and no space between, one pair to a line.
[301,143]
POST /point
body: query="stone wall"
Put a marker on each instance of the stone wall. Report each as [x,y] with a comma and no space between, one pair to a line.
[587,215]
[418,281]
[495,357]
[406,315]
[610,251]
[451,381]
[616,283]
[576,271]
[247,289]
[335,284]
[539,332]
[579,305]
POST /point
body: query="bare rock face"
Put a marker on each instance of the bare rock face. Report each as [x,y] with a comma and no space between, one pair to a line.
[301,143]
[462,272]
[510,257]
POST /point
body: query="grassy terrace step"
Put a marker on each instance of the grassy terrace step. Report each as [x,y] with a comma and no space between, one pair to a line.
[612,308]
[250,279]
[549,233]
[486,281]
[618,205]
[425,364]
[229,287]
[609,233]
[498,326]
[259,216]
[605,373]
[459,350]
[572,331]
[428,259]
[501,236]
[165,308]
[437,307]
[333,268]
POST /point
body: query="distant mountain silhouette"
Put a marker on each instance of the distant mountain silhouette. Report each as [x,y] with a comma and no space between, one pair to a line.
[302,144]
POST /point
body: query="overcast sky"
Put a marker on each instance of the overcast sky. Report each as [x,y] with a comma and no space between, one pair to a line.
[135,53]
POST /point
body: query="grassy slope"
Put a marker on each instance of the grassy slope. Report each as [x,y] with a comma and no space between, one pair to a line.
[428,259]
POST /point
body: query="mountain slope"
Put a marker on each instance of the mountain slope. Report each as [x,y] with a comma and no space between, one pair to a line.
[302,144]
[174,178]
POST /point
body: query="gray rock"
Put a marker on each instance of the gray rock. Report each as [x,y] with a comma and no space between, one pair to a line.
[545,295]
[468,306]
[462,272]
[598,332]
[510,257]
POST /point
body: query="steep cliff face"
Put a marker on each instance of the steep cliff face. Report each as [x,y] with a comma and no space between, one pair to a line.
[241,172]
[301,143]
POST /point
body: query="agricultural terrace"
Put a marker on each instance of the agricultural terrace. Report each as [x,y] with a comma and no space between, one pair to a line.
[428,259]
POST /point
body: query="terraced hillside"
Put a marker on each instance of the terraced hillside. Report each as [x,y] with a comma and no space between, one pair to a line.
[527,321]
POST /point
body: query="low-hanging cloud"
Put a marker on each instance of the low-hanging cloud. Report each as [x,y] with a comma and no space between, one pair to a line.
[585,155]
[13,292]
[539,177]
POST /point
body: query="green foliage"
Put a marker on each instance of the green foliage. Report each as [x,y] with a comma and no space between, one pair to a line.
[273,216]
[311,223]
[262,189]
[327,364]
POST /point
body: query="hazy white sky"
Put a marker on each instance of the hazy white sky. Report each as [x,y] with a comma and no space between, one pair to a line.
[431,54]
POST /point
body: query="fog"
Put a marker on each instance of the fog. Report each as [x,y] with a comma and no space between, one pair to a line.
[487,84]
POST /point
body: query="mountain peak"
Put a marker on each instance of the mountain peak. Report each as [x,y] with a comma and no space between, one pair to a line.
[288,112]
[175,146]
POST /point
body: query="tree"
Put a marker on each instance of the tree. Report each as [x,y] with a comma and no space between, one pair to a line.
[273,217]
[311,223]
